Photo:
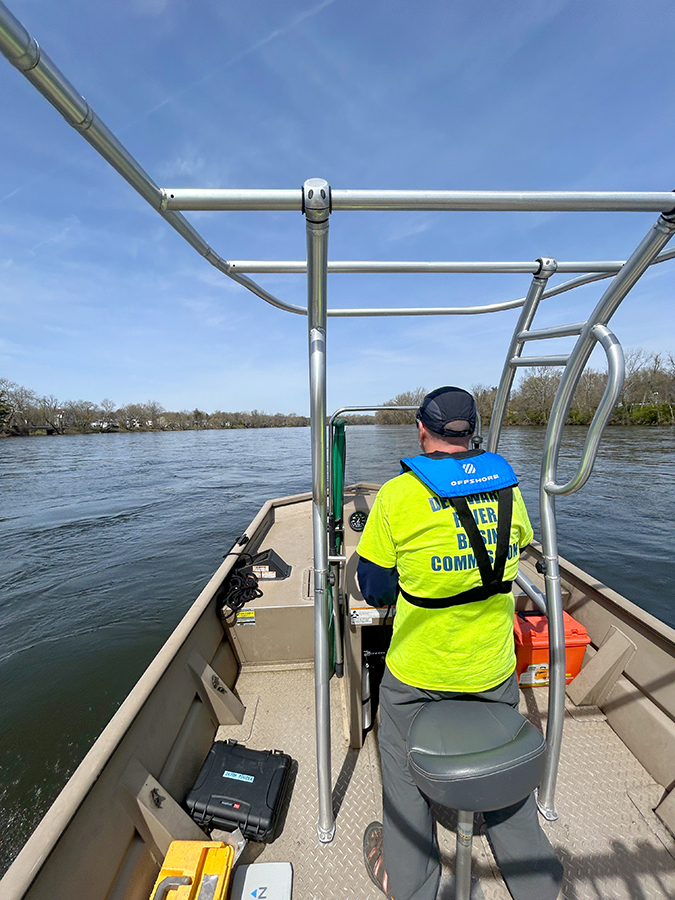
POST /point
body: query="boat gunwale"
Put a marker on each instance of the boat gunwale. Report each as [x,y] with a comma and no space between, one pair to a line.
[20,875]
[660,630]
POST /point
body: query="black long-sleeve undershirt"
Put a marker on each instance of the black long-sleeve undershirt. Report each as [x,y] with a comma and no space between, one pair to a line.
[378,585]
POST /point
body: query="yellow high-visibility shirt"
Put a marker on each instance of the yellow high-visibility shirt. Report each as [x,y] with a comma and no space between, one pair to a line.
[468,647]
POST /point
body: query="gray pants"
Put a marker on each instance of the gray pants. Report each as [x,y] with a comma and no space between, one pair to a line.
[411,857]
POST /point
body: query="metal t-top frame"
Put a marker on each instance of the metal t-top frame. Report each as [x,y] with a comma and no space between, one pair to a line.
[316,200]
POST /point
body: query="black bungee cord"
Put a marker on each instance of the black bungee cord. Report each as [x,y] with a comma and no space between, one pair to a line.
[240,589]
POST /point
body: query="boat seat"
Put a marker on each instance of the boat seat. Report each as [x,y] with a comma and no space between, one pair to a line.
[472,756]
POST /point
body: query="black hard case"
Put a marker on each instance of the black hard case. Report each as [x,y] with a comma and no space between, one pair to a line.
[252,801]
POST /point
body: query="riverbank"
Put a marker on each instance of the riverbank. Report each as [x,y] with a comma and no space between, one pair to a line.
[648,417]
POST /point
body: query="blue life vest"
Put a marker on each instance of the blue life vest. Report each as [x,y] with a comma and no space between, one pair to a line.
[451,477]
[456,479]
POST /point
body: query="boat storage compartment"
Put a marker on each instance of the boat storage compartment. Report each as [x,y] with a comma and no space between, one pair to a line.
[195,869]
[531,635]
[238,787]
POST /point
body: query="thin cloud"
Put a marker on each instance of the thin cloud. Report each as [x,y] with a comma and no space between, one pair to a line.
[273,35]
[407,230]
[56,238]
[12,193]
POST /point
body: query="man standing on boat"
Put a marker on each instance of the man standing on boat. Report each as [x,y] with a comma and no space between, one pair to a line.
[453,637]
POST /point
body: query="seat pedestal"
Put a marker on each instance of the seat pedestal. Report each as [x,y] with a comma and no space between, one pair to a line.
[463,854]
[473,755]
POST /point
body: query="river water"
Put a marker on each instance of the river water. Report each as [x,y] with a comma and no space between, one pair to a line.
[105,540]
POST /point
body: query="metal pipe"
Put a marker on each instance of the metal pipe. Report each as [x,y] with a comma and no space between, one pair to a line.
[532,591]
[636,265]
[336,267]
[331,422]
[463,855]
[554,331]
[348,409]
[27,56]
[525,361]
[544,201]
[610,397]
[256,289]
[317,211]
[546,268]
[232,199]
[427,310]
[497,201]
[581,280]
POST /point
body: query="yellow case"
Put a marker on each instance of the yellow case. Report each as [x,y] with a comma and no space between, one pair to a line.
[195,868]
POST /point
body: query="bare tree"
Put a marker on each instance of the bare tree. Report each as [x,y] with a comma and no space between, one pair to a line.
[108,408]
[52,413]
[23,407]
[405,417]
[133,416]
[485,401]
[587,396]
[80,414]
[534,398]
[155,411]
[6,408]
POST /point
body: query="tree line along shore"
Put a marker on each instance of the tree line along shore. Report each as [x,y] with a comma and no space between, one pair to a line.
[648,398]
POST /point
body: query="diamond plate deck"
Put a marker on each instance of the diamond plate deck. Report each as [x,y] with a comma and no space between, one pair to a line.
[606,835]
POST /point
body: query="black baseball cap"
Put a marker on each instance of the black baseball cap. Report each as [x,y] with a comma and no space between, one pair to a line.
[448,411]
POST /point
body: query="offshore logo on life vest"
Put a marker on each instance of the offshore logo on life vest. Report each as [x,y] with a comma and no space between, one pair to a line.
[482,480]
[445,476]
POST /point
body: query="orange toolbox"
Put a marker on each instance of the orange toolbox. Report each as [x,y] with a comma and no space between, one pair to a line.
[195,869]
[531,635]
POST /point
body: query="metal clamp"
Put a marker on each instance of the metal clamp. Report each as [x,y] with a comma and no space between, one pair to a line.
[316,199]
[547,267]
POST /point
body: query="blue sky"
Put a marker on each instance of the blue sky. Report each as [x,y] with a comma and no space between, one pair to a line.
[100,298]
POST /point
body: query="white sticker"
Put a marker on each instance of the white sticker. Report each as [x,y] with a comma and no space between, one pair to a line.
[535,674]
[369,614]
[362,616]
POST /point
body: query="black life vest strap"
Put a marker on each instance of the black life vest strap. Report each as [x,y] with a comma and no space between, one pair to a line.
[493,579]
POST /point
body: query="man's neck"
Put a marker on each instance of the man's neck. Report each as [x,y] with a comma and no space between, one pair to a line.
[431,446]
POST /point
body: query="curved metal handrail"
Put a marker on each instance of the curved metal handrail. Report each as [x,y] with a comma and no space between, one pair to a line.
[644,254]
[615,377]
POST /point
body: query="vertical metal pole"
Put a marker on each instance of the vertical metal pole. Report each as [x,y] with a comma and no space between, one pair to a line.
[633,268]
[316,206]
[463,855]
[547,267]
